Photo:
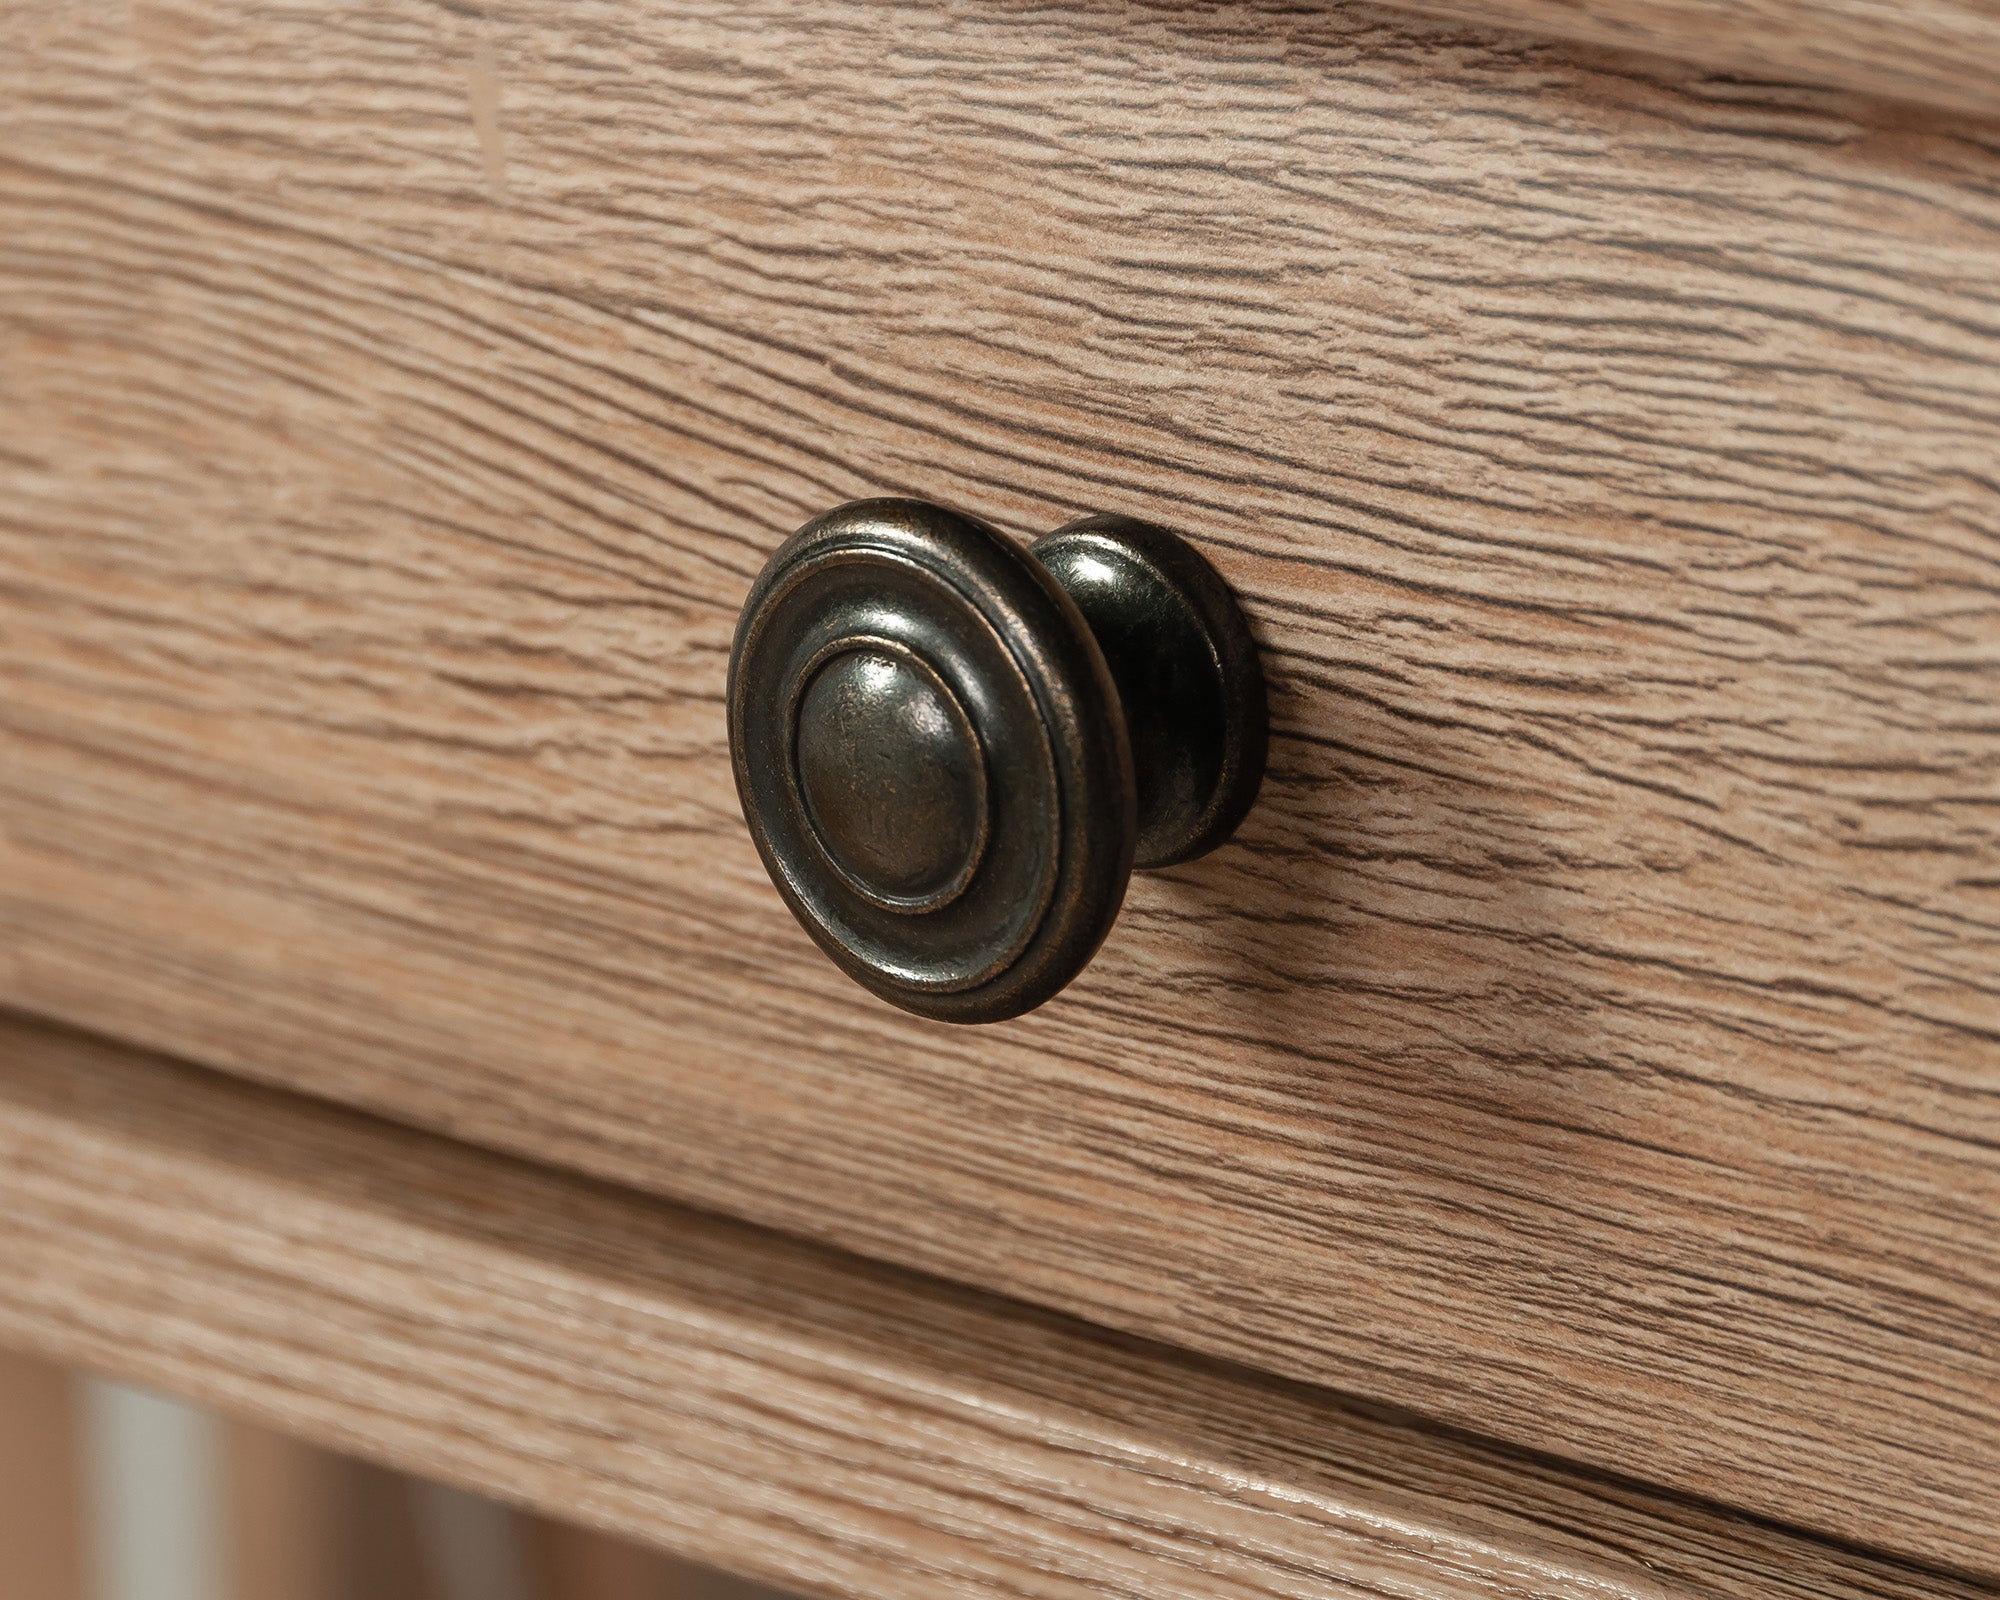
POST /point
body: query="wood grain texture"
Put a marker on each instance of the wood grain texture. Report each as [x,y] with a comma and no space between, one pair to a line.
[1591,1039]
[1941,54]
[754,1401]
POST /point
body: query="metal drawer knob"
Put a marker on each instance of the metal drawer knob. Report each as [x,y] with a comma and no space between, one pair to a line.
[952,752]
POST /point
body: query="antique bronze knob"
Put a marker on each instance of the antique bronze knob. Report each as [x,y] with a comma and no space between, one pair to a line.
[952,751]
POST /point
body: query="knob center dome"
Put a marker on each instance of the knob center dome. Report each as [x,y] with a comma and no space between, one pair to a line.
[892,776]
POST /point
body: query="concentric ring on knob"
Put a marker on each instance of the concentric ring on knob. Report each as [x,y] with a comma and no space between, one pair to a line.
[931,758]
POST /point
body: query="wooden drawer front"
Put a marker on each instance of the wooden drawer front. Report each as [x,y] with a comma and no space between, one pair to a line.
[1592,1037]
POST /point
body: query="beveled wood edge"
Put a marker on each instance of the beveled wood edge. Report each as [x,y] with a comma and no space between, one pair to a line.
[1943,54]
[747,1400]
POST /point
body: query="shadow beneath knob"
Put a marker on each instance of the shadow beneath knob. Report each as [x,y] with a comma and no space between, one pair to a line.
[1388,924]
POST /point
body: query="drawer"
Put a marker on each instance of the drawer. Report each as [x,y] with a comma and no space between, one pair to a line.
[1590,1039]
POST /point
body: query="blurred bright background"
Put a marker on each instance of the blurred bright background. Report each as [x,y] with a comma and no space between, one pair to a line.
[111,1493]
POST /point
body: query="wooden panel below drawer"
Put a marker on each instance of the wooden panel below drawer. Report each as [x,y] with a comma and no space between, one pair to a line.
[1591,1039]
[781,1410]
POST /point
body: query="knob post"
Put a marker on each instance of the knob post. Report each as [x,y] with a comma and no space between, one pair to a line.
[1187,673]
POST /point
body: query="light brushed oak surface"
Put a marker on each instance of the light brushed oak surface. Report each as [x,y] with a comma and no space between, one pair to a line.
[1591,1039]
[1938,53]
[1941,54]
[753,1401]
